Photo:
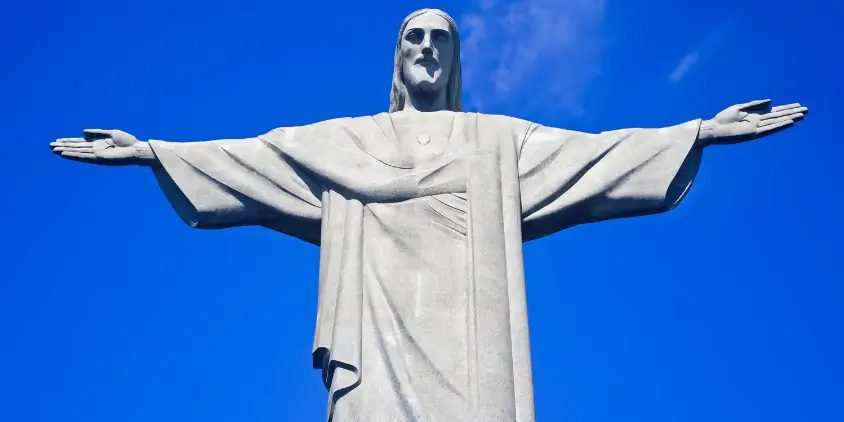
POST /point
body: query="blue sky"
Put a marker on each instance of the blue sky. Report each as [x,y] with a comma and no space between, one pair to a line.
[729,308]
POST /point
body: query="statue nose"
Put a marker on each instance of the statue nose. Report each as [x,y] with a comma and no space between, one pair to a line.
[426,45]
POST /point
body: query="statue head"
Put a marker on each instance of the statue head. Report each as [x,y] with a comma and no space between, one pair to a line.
[427,60]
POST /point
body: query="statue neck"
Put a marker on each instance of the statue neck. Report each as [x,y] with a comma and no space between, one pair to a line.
[425,100]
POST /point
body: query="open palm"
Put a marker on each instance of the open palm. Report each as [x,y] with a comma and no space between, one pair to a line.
[748,121]
[106,147]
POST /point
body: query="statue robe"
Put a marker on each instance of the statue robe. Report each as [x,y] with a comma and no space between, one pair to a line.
[422,311]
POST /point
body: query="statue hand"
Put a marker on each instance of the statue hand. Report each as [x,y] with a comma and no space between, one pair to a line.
[105,147]
[745,122]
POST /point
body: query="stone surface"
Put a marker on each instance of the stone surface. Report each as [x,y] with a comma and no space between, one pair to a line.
[420,214]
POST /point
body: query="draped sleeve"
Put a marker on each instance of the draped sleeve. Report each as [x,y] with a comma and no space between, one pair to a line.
[239,182]
[569,178]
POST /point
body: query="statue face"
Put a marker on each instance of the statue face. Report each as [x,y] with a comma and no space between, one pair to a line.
[427,49]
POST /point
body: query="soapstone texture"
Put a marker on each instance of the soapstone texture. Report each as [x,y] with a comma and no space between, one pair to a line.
[420,215]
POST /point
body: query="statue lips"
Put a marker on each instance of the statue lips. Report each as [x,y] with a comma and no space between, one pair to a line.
[426,61]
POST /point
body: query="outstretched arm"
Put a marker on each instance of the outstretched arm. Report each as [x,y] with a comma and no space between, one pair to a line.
[570,178]
[214,184]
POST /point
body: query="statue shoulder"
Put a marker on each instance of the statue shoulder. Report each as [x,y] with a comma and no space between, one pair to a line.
[506,119]
[339,122]
[519,128]
[324,126]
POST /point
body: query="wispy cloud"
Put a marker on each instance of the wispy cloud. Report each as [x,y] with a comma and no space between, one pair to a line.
[553,44]
[710,45]
[684,66]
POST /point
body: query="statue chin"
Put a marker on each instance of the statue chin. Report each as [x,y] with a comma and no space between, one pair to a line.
[419,79]
[424,86]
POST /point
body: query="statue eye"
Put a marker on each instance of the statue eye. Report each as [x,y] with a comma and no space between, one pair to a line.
[441,35]
[414,35]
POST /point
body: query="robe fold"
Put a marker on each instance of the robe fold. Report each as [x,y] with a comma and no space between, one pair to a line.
[422,313]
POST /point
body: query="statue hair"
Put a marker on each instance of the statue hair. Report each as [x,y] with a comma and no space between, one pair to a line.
[454,92]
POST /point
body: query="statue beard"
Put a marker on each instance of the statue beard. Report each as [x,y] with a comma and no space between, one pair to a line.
[425,94]
[425,91]
[422,87]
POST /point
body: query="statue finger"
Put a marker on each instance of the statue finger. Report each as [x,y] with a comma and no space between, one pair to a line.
[792,116]
[788,106]
[87,148]
[757,105]
[94,134]
[785,107]
[774,128]
[78,156]
[68,141]
[785,112]
[71,143]
[773,122]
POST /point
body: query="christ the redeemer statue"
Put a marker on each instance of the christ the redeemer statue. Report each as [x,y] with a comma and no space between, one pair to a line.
[420,214]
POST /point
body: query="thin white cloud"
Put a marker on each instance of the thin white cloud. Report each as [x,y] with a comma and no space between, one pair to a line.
[710,44]
[684,66]
[546,50]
